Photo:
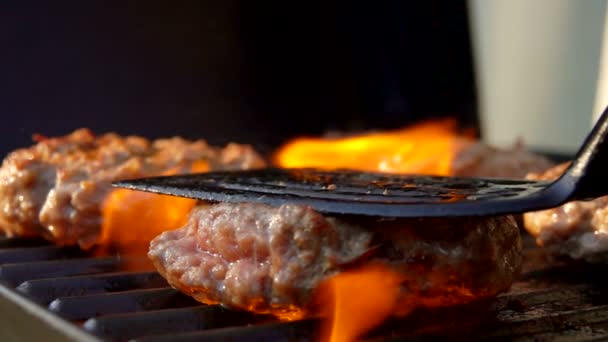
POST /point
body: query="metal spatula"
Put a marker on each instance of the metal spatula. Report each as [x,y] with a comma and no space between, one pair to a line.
[377,194]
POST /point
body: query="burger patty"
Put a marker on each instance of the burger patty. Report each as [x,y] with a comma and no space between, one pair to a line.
[577,229]
[271,259]
[481,160]
[55,188]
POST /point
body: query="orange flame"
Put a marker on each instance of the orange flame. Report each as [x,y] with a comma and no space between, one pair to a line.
[425,148]
[356,301]
[131,219]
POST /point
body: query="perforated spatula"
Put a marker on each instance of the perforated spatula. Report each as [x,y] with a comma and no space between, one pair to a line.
[377,194]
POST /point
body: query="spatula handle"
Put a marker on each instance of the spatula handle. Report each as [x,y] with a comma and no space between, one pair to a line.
[589,171]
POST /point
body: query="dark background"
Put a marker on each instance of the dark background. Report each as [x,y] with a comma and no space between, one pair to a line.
[249,71]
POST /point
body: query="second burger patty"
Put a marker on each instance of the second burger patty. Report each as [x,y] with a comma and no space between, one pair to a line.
[271,259]
[578,229]
[56,188]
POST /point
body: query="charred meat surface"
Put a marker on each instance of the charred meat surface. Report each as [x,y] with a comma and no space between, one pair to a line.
[577,229]
[56,188]
[271,259]
[481,160]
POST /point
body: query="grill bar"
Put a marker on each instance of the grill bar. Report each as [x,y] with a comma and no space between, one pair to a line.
[128,326]
[22,320]
[46,290]
[17,273]
[305,330]
[42,253]
[83,307]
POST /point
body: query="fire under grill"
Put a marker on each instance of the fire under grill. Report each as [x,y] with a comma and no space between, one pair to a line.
[54,293]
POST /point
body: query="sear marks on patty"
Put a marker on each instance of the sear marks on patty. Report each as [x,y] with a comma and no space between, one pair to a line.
[56,188]
[578,229]
[481,160]
[271,259]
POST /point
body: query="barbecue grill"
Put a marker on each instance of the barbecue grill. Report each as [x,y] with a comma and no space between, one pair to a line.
[58,293]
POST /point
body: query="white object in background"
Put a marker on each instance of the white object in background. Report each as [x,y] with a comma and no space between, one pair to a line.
[537,69]
[601,96]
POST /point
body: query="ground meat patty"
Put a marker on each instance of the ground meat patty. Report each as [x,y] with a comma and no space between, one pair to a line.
[578,229]
[270,259]
[55,188]
[481,160]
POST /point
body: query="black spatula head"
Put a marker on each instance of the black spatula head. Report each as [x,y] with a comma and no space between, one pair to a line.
[376,194]
[350,192]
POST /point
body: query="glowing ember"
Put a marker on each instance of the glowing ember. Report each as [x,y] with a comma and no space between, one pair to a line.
[425,148]
[131,219]
[356,301]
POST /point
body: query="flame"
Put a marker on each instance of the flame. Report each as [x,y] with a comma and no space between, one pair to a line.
[425,148]
[131,219]
[356,301]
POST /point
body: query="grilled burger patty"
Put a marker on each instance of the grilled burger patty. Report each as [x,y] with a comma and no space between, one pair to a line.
[482,160]
[56,188]
[270,259]
[577,229]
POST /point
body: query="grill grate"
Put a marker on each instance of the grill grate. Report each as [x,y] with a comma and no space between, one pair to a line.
[54,293]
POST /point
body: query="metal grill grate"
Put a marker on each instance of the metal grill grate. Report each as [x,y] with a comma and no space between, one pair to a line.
[54,293]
